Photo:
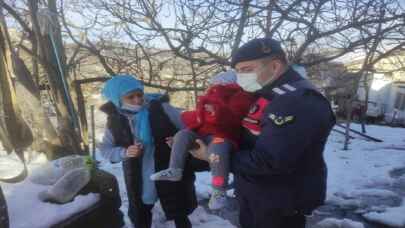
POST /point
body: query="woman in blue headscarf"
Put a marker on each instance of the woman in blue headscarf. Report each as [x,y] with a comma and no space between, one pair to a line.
[138,126]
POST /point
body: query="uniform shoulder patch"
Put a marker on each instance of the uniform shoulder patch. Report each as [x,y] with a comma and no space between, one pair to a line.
[281,120]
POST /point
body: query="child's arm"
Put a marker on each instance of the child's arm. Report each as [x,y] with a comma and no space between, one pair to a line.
[108,149]
[191,119]
[240,103]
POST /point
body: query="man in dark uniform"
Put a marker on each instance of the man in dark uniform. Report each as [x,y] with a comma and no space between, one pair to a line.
[280,172]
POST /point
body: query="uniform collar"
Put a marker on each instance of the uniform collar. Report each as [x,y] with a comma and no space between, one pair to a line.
[289,76]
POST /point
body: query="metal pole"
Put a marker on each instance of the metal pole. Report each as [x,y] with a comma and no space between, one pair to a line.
[65,88]
[93,134]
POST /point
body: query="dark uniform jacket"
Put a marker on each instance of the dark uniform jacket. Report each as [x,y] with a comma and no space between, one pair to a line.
[281,160]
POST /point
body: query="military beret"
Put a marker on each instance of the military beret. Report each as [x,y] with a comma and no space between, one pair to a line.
[257,49]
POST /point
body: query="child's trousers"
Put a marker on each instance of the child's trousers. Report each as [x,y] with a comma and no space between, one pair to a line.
[219,150]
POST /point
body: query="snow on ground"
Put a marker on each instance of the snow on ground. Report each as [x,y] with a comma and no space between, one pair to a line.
[11,166]
[336,223]
[360,177]
[199,218]
[26,210]
[394,216]
[365,164]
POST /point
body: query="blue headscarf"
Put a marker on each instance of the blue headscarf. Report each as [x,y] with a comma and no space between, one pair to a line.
[121,85]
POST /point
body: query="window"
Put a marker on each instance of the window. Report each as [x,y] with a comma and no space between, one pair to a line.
[400,101]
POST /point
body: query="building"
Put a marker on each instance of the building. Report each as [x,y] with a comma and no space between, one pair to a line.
[386,90]
[386,99]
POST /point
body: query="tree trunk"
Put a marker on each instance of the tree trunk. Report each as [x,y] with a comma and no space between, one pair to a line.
[269,19]
[241,25]
[366,98]
[15,134]
[28,95]
[349,110]
[81,108]
[33,6]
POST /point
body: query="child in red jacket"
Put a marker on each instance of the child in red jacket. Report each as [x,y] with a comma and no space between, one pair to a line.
[217,121]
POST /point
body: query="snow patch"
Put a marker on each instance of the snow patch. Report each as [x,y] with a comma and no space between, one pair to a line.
[359,169]
[200,218]
[373,192]
[26,210]
[23,196]
[339,223]
[394,216]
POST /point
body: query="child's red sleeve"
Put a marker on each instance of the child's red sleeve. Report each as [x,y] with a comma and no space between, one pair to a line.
[230,114]
[190,119]
[240,103]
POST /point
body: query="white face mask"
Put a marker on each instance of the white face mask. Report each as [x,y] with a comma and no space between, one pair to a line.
[248,81]
[131,107]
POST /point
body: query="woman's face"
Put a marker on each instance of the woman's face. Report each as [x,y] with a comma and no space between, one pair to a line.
[133,98]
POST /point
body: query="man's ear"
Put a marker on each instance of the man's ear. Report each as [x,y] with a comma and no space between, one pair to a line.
[277,66]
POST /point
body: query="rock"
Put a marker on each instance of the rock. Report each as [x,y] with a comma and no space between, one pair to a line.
[52,171]
[66,188]
[106,213]
[48,174]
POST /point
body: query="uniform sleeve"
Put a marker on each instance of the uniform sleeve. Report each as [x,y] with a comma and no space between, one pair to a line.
[279,147]
[108,149]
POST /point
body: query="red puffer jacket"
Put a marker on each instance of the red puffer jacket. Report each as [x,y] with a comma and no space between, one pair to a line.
[229,105]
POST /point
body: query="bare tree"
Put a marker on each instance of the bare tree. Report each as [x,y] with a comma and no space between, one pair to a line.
[176,45]
[206,33]
[47,49]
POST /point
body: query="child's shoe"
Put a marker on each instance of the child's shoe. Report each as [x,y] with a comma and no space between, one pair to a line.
[217,200]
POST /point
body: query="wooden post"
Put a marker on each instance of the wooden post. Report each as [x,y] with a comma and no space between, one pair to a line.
[81,109]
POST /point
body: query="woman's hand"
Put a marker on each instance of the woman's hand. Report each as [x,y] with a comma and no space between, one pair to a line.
[135,151]
[169,141]
[201,152]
